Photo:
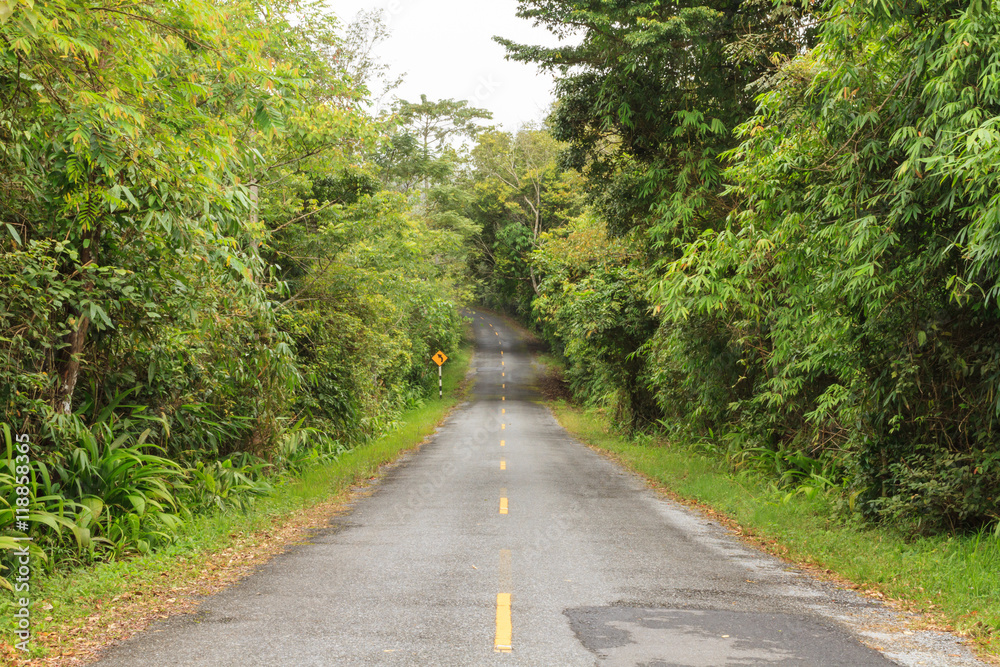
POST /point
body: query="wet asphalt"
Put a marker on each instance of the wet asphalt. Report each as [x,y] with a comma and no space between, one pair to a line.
[599,569]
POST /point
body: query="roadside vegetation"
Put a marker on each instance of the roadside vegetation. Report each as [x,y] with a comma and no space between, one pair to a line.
[771,224]
[82,609]
[222,264]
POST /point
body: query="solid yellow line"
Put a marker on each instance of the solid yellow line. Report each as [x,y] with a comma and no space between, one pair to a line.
[502,642]
[503,464]
[503,506]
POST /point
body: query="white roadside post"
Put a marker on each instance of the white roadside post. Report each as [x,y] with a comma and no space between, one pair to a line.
[439,359]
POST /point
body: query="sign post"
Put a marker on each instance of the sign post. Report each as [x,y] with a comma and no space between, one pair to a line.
[439,359]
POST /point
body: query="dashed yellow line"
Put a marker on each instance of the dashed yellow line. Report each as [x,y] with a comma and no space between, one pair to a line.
[503,443]
[503,464]
[503,427]
[503,411]
[502,642]
[503,505]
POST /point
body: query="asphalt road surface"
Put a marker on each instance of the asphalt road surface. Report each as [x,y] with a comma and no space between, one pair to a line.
[505,542]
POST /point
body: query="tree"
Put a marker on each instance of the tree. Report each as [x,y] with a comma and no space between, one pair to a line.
[421,149]
[118,101]
[649,95]
[859,266]
[648,99]
[197,257]
[520,192]
[437,124]
[591,305]
[356,55]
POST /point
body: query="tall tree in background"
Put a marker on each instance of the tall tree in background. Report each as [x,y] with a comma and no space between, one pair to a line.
[519,192]
[422,150]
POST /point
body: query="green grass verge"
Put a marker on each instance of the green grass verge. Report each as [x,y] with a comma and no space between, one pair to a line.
[66,600]
[952,578]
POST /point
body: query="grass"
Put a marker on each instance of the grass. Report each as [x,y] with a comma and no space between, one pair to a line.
[77,611]
[953,580]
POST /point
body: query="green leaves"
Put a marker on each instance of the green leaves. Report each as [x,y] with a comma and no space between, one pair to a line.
[6,10]
[854,210]
[13,233]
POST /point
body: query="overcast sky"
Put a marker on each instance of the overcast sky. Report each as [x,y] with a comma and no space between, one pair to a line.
[445,49]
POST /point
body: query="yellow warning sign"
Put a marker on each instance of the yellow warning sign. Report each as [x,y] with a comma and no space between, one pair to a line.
[440,358]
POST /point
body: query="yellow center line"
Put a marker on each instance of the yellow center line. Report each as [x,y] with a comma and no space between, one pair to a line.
[503,443]
[503,411]
[503,506]
[503,464]
[503,427]
[503,374]
[502,642]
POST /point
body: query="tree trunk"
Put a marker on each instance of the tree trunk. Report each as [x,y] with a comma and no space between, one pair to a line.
[69,372]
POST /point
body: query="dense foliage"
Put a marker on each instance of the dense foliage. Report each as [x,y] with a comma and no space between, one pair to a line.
[203,274]
[792,238]
[517,192]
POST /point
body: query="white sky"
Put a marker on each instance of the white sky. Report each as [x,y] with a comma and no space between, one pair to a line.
[446,50]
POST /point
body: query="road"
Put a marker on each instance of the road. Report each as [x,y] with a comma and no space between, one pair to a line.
[505,542]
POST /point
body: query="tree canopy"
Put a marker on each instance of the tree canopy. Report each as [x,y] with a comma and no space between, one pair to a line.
[203,273]
[790,237]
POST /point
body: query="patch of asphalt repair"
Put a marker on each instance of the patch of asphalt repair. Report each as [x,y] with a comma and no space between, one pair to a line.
[691,619]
